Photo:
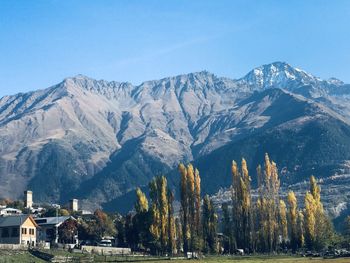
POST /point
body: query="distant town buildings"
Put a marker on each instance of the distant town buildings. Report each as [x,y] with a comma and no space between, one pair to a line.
[32,229]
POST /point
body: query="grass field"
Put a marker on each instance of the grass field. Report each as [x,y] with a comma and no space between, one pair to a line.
[263,259]
[26,257]
[18,257]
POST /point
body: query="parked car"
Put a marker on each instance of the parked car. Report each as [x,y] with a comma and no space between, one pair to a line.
[105,243]
[239,251]
[192,255]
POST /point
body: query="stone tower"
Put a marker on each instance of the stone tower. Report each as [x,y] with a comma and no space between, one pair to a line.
[28,199]
[73,204]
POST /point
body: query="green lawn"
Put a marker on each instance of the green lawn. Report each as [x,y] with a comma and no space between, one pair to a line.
[18,257]
[263,259]
[24,256]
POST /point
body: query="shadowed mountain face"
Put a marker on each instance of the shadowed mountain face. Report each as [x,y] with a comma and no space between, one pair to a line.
[98,140]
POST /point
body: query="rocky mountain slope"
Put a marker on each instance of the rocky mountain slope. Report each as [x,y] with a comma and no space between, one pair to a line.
[98,140]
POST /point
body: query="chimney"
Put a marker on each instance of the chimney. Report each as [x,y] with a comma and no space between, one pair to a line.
[28,199]
[73,204]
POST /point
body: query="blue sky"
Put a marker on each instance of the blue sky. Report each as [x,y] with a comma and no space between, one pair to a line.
[42,42]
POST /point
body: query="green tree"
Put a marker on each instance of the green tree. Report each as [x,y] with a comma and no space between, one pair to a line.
[162,215]
[104,225]
[121,233]
[141,205]
[301,231]
[131,232]
[190,207]
[268,206]
[171,224]
[283,221]
[310,220]
[184,196]
[209,226]
[320,236]
[241,205]
[227,229]
[293,215]
[141,221]
[178,234]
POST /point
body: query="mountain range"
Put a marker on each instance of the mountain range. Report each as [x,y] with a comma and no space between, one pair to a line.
[97,140]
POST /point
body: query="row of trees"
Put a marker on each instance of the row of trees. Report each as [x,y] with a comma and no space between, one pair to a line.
[269,224]
[257,221]
[155,227]
[263,223]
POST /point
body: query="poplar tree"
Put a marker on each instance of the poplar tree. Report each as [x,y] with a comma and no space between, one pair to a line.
[241,205]
[236,212]
[155,227]
[293,215]
[141,221]
[184,207]
[269,184]
[192,210]
[246,205]
[310,219]
[163,208]
[323,233]
[227,228]
[301,232]
[197,202]
[159,211]
[178,235]
[141,204]
[209,226]
[190,207]
[171,224]
[283,221]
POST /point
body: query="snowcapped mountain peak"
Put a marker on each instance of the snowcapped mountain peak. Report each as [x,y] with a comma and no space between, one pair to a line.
[277,74]
[335,81]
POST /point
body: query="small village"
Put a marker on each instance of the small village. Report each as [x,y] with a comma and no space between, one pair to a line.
[25,225]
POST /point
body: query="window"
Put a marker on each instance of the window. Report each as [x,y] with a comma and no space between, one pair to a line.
[5,232]
[24,231]
[15,232]
[31,231]
[41,221]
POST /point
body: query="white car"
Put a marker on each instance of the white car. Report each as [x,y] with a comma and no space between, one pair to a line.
[105,243]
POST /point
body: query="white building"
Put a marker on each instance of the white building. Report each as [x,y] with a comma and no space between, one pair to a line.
[10,211]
